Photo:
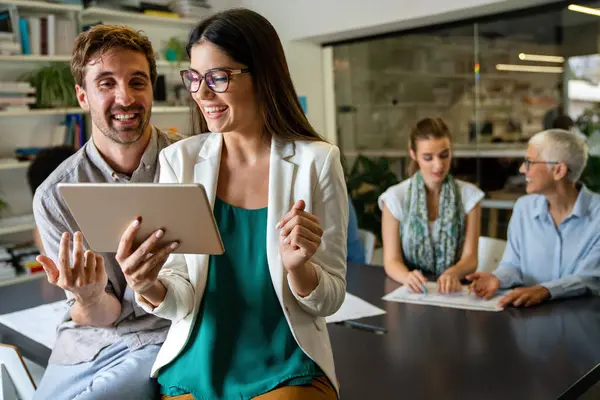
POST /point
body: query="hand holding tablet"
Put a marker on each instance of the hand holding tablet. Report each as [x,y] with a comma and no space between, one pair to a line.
[141,265]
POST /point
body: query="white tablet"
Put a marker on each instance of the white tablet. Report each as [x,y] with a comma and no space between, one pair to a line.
[103,212]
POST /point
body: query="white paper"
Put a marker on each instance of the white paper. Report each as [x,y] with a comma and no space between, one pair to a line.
[38,323]
[354,308]
[464,299]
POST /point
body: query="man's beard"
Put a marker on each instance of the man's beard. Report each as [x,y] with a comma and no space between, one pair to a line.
[122,135]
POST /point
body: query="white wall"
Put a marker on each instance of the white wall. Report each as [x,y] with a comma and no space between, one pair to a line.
[326,20]
[304,25]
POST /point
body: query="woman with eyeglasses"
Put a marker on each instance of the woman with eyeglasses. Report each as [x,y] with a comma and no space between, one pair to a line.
[553,246]
[431,221]
[250,323]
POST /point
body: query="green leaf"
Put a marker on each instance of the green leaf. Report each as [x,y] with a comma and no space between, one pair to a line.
[54,84]
[367,180]
[591,174]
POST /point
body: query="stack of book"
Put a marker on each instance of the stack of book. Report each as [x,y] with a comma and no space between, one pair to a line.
[16,95]
[193,9]
[74,131]
[7,270]
[35,34]
[25,257]
[73,2]
[157,10]
[47,35]
[71,133]
[9,30]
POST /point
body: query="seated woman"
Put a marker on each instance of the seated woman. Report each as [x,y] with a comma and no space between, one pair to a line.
[553,248]
[249,323]
[431,221]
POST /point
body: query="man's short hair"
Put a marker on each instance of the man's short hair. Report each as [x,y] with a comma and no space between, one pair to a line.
[45,162]
[558,145]
[99,39]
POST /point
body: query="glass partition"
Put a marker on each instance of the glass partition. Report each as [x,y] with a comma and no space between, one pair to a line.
[495,81]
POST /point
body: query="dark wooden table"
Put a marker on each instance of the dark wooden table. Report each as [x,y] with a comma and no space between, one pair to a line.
[443,353]
[20,297]
[429,352]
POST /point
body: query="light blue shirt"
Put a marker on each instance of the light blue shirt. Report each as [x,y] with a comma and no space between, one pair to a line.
[564,259]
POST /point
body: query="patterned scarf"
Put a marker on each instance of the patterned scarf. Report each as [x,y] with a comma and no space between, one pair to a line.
[419,251]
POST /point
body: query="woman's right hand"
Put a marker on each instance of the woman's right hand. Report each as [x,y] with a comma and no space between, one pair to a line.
[415,281]
[141,265]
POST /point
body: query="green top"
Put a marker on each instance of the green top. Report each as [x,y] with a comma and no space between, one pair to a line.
[241,345]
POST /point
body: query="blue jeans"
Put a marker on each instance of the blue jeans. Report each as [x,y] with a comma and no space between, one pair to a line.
[115,373]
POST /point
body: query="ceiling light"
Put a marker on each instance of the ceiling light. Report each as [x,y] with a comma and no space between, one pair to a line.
[541,58]
[529,68]
[585,10]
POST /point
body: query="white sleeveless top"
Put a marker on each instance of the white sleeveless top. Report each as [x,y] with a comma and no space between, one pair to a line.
[395,196]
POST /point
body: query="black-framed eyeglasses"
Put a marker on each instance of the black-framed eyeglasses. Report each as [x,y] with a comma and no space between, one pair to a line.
[217,79]
[527,163]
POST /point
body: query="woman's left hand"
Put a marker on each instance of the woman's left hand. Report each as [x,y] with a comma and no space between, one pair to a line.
[448,282]
[300,236]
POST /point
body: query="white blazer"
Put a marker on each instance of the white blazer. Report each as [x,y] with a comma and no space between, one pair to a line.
[300,170]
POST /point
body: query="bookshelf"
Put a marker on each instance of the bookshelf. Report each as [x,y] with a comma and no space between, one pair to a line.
[77,110]
[20,278]
[34,127]
[10,163]
[170,109]
[18,224]
[171,64]
[42,58]
[93,13]
[42,6]
[41,112]
[34,58]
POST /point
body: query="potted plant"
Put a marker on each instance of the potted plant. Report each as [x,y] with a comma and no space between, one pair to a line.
[367,180]
[175,51]
[589,124]
[54,86]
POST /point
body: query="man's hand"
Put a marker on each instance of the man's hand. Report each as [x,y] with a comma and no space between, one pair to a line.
[86,278]
[448,282]
[525,296]
[484,284]
[142,265]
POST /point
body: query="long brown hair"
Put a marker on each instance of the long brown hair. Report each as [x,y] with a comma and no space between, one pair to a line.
[427,128]
[251,40]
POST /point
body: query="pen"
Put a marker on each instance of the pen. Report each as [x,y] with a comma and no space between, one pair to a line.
[378,330]
[423,288]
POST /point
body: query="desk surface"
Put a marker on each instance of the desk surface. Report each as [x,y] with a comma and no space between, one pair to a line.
[443,353]
[428,352]
[20,297]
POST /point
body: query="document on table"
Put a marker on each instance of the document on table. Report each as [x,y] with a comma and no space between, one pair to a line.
[38,323]
[354,308]
[464,299]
